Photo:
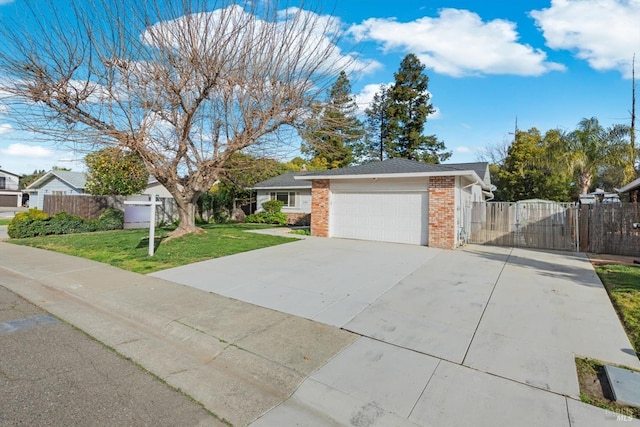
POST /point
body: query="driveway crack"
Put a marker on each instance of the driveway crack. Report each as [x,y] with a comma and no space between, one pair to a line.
[506,262]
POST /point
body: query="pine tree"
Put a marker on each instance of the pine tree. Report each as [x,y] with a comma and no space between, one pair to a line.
[408,110]
[331,136]
[376,126]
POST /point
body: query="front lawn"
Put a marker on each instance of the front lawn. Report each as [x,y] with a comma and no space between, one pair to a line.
[5,221]
[623,285]
[128,249]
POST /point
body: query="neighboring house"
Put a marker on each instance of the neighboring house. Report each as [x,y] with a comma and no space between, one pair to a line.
[396,200]
[294,194]
[632,188]
[10,194]
[57,182]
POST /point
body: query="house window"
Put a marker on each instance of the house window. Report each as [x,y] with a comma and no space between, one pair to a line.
[3,183]
[58,193]
[289,199]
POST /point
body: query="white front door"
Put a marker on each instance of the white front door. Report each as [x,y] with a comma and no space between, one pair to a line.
[389,217]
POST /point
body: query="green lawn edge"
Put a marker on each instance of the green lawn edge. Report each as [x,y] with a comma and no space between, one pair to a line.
[128,249]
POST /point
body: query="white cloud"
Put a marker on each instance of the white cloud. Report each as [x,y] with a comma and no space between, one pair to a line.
[25,150]
[5,128]
[296,30]
[458,43]
[463,150]
[605,33]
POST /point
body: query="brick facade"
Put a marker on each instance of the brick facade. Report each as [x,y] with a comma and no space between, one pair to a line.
[320,208]
[442,212]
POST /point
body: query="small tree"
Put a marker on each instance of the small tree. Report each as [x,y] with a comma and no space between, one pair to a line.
[332,135]
[377,126]
[114,171]
[408,108]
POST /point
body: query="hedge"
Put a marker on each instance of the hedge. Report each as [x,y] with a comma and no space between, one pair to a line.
[37,223]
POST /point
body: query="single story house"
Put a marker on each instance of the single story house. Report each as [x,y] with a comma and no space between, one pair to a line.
[396,200]
[294,194]
[633,188]
[10,194]
[58,182]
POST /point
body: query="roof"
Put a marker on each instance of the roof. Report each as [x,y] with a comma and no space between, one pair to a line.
[10,173]
[633,185]
[74,179]
[286,180]
[396,166]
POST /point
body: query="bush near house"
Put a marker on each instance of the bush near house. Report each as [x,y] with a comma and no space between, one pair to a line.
[271,215]
[37,223]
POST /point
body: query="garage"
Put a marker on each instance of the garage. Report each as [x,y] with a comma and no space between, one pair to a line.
[9,200]
[381,216]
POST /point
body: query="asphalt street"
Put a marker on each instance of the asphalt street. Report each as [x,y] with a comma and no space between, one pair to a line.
[52,374]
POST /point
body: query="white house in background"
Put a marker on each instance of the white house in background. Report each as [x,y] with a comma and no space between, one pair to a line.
[68,183]
[10,194]
[294,194]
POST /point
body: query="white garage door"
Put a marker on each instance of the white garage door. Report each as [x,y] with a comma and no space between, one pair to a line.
[387,217]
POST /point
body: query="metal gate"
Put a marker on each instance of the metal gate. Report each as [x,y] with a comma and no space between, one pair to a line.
[525,224]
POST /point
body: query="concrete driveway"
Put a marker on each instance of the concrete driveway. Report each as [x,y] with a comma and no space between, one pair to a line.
[479,336]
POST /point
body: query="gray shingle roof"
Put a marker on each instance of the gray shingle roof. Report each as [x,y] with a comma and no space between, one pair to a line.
[392,166]
[76,179]
[285,181]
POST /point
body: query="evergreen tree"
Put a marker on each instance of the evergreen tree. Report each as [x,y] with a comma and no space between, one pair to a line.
[376,126]
[408,108]
[331,136]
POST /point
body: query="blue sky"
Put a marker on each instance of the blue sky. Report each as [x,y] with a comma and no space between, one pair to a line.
[548,63]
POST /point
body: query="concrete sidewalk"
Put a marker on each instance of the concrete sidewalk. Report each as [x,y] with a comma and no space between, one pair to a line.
[481,336]
[237,359]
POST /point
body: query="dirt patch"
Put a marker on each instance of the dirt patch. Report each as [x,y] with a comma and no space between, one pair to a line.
[595,389]
[605,259]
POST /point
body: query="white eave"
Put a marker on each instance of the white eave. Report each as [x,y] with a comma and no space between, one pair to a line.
[468,173]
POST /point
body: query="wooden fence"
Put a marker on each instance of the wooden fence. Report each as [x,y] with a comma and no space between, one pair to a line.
[600,228]
[91,207]
[524,225]
[609,229]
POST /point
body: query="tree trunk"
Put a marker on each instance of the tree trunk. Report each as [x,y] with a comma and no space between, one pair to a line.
[187,216]
[584,182]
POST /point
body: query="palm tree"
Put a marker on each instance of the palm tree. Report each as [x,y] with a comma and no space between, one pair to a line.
[591,147]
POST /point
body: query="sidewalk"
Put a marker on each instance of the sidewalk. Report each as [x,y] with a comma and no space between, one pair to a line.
[237,359]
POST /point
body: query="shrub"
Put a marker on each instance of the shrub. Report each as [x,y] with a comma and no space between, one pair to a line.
[63,223]
[267,218]
[28,224]
[37,223]
[272,206]
[110,219]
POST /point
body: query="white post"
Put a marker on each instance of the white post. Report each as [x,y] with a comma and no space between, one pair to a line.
[152,225]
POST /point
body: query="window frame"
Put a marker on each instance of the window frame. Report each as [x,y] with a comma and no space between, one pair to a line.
[273,195]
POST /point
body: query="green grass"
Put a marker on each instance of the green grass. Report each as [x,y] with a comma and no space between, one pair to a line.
[128,249]
[5,221]
[623,285]
[595,390]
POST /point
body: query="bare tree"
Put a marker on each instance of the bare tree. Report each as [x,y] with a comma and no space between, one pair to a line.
[182,83]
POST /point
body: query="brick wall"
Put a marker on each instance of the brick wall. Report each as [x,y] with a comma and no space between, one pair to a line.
[320,208]
[442,212]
